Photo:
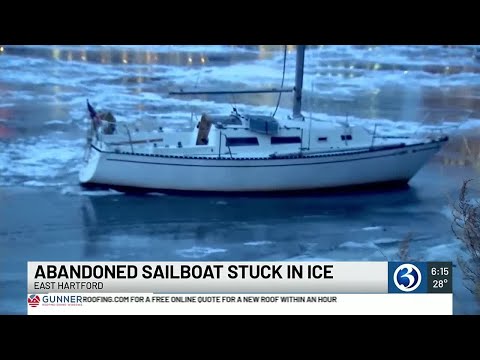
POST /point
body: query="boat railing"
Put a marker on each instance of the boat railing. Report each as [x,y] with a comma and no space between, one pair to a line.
[129,137]
[124,134]
[374,136]
[438,121]
[220,146]
[443,115]
[91,133]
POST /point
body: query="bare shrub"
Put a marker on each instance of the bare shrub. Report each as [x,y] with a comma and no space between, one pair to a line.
[466,227]
[404,248]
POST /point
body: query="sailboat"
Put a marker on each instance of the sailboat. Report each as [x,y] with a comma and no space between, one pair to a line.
[239,153]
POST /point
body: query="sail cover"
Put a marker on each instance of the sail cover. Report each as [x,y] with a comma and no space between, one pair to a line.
[263,124]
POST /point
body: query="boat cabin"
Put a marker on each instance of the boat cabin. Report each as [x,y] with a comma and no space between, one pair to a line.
[238,135]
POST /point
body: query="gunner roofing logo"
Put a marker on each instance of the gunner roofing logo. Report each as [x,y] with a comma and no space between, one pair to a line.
[407,277]
[33,300]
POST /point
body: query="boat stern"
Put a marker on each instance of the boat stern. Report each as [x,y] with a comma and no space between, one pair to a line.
[89,169]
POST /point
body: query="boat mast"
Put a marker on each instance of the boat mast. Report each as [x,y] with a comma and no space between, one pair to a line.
[297,91]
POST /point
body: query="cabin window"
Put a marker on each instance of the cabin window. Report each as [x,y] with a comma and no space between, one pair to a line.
[346,137]
[277,140]
[242,141]
[323,138]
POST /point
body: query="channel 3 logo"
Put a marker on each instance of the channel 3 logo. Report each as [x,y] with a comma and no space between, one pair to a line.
[407,277]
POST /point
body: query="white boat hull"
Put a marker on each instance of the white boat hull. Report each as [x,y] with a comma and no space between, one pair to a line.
[382,165]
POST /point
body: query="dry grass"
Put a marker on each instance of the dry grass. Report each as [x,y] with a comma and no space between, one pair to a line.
[403,254]
[404,249]
[466,227]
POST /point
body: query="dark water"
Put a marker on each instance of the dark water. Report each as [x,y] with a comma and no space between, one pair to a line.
[44,215]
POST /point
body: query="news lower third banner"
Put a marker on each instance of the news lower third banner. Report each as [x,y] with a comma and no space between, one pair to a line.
[157,288]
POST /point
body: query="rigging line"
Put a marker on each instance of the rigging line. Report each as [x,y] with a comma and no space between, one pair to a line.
[193,108]
[283,79]
[234,106]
